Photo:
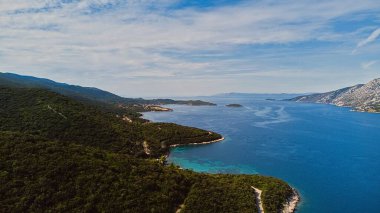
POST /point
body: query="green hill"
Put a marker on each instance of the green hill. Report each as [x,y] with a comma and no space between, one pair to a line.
[61,155]
[87,94]
[55,116]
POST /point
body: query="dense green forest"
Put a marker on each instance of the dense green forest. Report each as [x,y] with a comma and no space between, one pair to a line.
[160,136]
[234,193]
[55,116]
[58,155]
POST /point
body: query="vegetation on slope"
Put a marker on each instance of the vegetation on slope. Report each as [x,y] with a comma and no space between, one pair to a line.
[37,175]
[54,116]
[87,94]
[58,154]
[239,193]
[160,136]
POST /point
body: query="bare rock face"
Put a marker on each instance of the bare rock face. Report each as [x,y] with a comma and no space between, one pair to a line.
[361,97]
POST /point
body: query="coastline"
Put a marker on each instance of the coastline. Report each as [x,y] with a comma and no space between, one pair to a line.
[191,144]
[292,203]
[259,202]
[289,207]
[201,143]
[352,108]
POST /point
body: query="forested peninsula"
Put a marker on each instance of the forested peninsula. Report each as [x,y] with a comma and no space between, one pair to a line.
[63,154]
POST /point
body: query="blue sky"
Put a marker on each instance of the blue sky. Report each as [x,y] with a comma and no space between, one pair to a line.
[199,47]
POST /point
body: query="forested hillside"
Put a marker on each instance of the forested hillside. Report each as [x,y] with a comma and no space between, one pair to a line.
[87,94]
[61,155]
[55,116]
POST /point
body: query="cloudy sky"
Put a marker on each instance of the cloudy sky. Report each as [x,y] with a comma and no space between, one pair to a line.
[194,47]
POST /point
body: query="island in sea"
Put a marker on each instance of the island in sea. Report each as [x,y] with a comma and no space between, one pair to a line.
[67,148]
[234,105]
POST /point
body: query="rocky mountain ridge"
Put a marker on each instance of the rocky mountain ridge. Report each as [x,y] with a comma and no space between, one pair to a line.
[361,97]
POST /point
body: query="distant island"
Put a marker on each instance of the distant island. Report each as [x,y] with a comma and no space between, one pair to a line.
[194,103]
[234,105]
[361,97]
[157,108]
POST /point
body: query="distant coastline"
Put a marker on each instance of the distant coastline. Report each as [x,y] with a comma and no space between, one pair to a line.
[361,97]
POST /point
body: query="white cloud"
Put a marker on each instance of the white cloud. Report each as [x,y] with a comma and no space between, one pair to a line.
[95,39]
[371,38]
[367,65]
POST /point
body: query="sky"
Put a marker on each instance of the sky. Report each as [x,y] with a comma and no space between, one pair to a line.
[163,48]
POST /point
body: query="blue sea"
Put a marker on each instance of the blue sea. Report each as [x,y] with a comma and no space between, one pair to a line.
[330,154]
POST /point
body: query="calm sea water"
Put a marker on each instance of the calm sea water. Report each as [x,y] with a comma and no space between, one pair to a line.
[329,154]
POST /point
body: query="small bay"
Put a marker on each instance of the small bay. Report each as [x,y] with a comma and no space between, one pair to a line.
[330,154]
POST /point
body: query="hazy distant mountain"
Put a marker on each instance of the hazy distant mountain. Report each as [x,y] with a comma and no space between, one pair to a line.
[83,93]
[62,88]
[362,97]
[259,96]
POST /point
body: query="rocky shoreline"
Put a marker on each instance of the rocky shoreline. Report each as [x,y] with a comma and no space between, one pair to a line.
[201,143]
[361,97]
[291,205]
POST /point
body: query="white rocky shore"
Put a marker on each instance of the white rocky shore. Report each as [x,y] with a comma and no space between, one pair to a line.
[361,97]
[189,144]
[292,203]
[289,207]
[259,202]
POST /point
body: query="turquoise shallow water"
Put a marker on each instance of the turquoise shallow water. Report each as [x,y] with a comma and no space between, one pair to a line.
[329,154]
